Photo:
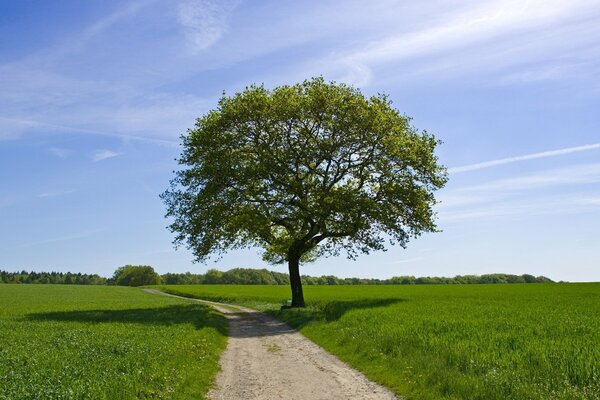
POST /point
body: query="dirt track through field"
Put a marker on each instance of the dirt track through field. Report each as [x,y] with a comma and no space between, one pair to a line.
[265,359]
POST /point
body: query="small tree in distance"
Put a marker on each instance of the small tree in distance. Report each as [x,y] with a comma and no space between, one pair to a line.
[136,275]
[303,171]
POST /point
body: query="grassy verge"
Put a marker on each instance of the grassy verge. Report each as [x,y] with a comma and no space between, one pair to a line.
[92,342]
[449,341]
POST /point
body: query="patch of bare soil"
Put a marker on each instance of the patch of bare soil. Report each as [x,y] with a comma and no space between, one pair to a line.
[265,359]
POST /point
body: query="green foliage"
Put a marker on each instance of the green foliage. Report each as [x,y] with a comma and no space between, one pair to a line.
[248,277]
[187,278]
[213,276]
[94,342]
[472,342]
[251,276]
[51,277]
[136,275]
[238,276]
[428,280]
[303,170]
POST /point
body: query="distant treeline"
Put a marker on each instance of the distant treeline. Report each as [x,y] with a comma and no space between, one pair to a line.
[243,276]
[67,278]
[458,279]
[236,276]
[248,276]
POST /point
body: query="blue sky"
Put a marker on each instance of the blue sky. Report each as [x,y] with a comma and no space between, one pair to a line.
[96,93]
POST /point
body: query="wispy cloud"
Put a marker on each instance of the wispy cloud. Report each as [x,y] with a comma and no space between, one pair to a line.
[120,14]
[72,236]
[107,110]
[553,191]
[544,73]
[479,23]
[473,36]
[204,21]
[580,174]
[589,200]
[78,42]
[407,260]
[496,190]
[56,193]
[525,157]
[95,81]
[6,201]
[524,207]
[60,152]
[104,155]
[11,128]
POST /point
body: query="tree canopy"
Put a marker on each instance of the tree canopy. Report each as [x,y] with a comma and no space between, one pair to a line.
[136,275]
[303,171]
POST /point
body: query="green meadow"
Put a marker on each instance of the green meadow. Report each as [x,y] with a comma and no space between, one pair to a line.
[95,342]
[535,341]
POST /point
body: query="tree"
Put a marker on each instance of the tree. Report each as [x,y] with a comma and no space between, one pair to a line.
[136,275]
[213,276]
[303,171]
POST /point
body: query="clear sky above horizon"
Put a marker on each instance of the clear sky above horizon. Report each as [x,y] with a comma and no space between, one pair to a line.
[95,95]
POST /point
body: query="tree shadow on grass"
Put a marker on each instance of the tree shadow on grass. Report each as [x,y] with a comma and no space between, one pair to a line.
[329,311]
[199,315]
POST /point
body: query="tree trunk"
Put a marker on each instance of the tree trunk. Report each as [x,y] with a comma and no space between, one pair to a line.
[295,281]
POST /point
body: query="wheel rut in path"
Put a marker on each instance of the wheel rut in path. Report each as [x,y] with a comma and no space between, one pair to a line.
[266,359]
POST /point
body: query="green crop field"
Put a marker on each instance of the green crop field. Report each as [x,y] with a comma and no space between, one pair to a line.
[536,341]
[93,342]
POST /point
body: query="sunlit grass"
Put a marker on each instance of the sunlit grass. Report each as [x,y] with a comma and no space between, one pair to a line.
[536,341]
[90,342]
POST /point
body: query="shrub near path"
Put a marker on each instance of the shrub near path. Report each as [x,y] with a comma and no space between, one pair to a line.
[482,342]
[90,342]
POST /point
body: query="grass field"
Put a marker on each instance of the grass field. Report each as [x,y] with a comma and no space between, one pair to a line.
[93,342]
[536,341]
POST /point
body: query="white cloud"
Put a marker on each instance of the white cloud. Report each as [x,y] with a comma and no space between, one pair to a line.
[204,21]
[588,201]
[11,128]
[550,192]
[50,127]
[497,190]
[573,175]
[51,103]
[543,73]
[532,156]
[120,14]
[69,87]
[524,207]
[55,193]
[104,155]
[6,201]
[484,21]
[475,36]
[73,236]
[356,74]
[407,260]
[60,152]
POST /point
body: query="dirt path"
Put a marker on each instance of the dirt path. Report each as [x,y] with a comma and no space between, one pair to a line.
[265,359]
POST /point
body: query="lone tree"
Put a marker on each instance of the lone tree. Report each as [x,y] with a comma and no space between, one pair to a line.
[303,171]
